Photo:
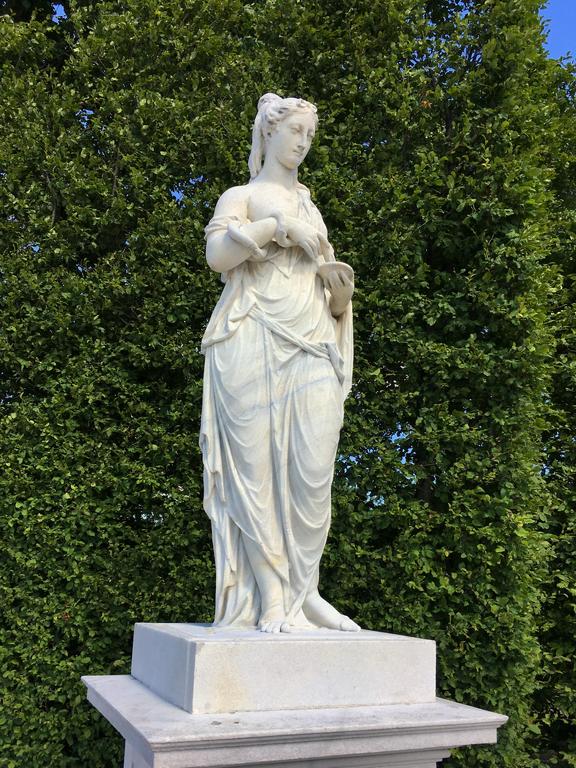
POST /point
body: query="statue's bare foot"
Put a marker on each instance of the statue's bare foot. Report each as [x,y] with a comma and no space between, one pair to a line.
[275,627]
[273,622]
[323,614]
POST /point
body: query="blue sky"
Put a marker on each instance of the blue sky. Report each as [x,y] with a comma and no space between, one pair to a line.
[561,27]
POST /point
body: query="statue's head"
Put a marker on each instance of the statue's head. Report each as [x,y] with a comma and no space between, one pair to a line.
[283,126]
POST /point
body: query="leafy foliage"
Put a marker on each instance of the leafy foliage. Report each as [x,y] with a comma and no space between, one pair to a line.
[443,167]
[556,698]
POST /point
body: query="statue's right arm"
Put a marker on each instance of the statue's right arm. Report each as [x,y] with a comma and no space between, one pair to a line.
[224,253]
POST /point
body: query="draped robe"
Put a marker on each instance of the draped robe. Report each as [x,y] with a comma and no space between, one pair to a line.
[277,370]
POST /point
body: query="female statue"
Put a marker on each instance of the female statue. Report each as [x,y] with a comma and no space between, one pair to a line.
[278,368]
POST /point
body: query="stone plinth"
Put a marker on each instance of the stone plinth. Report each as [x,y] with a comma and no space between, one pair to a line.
[206,669]
[207,697]
[161,735]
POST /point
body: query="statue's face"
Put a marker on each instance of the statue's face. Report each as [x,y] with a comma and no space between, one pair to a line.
[292,138]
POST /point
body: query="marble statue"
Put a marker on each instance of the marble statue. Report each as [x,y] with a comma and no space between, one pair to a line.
[278,367]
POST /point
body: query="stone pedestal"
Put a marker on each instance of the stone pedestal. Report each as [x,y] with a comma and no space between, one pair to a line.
[204,697]
[205,669]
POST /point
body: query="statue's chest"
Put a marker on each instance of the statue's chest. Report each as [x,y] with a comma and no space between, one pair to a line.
[263,203]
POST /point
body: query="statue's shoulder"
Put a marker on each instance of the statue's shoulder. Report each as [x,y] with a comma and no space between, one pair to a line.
[233,202]
[235,196]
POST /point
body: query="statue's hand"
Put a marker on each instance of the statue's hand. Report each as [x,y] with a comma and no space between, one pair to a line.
[304,235]
[341,288]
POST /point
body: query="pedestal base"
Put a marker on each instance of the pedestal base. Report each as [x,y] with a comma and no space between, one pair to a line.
[206,697]
[161,735]
[203,669]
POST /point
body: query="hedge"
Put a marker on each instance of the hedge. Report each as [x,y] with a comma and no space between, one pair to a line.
[441,166]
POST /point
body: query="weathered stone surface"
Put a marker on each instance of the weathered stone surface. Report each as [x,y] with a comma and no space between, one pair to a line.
[160,735]
[210,669]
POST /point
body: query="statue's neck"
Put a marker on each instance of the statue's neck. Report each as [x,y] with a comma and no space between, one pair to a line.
[275,173]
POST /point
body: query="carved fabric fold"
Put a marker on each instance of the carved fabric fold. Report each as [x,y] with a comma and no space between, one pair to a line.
[278,368]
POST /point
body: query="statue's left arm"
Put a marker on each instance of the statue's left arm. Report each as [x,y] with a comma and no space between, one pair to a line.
[340,286]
